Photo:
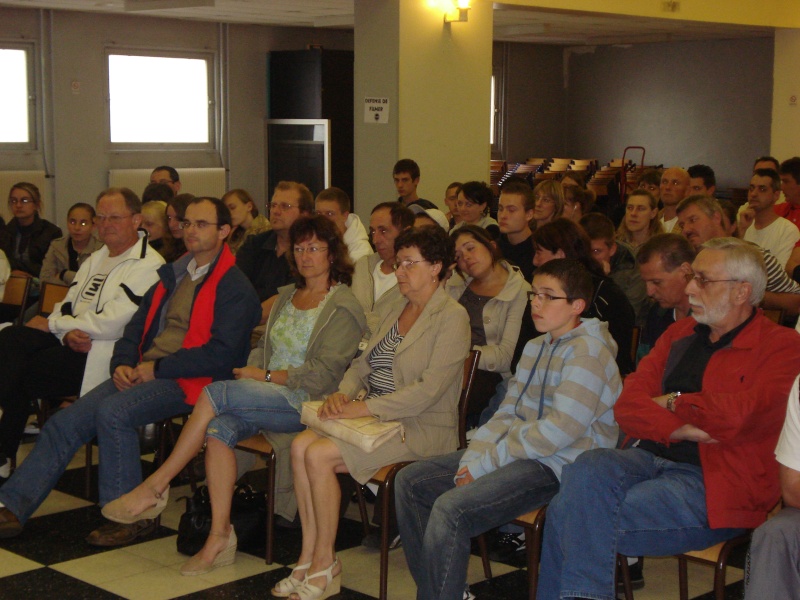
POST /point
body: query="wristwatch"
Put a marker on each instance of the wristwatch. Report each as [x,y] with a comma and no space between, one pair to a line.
[671,401]
[268,376]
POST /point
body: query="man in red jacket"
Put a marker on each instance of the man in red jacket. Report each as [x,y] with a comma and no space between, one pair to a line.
[702,413]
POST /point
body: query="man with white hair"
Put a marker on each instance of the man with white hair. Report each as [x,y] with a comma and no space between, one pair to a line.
[702,414]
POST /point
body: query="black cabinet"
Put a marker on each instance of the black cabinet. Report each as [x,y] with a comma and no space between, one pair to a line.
[316,84]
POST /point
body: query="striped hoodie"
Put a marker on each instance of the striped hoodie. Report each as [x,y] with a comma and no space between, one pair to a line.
[559,403]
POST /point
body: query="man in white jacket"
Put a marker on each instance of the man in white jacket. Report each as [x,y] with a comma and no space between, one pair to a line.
[334,204]
[68,353]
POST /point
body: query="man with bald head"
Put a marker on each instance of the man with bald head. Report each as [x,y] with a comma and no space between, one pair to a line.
[674,187]
[69,351]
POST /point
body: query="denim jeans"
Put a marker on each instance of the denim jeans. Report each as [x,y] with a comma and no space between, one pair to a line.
[437,519]
[110,415]
[620,501]
[245,407]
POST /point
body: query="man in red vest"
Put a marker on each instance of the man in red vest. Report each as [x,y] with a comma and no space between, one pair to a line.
[192,327]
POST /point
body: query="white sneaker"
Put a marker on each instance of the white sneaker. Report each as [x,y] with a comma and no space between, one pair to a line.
[32,428]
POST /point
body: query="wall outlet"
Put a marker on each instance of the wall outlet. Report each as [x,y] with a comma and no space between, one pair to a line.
[670,6]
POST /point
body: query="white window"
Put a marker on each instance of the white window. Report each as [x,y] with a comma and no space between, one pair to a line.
[160,100]
[16,126]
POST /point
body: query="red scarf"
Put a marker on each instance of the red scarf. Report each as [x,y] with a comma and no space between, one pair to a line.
[200,320]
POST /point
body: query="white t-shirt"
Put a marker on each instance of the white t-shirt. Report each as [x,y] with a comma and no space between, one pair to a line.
[788,450]
[668,225]
[383,282]
[779,238]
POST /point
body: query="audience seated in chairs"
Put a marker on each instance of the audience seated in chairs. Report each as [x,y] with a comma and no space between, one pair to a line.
[559,404]
[617,259]
[410,371]
[704,409]
[66,254]
[245,219]
[495,296]
[191,328]
[312,333]
[69,351]
[665,264]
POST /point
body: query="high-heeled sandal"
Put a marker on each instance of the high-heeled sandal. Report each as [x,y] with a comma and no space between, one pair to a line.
[287,585]
[199,566]
[120,511]
[333,585]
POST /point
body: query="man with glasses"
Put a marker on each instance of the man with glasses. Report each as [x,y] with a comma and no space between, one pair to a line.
[702,414]
[68,352]
[262,257]
[191,328]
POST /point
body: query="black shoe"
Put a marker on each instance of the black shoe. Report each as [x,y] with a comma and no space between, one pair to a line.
[373,540]
[286,523]
[506,547]
[636,572]
[9,524]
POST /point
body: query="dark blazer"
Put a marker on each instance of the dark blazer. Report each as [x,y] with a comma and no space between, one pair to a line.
[43,233]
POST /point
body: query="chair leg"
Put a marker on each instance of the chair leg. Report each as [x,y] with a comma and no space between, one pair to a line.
[272,465]
[362,509]
[622,569]
[683,578]
[487,566]
[388,492]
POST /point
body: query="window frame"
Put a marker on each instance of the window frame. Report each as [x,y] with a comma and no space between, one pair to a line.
[33,96]
[211,59]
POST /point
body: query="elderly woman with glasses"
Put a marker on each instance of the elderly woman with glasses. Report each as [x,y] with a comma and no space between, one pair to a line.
[312,333]
[409,372]
[28,236]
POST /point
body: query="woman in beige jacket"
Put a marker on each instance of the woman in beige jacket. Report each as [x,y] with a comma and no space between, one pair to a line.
[409,372]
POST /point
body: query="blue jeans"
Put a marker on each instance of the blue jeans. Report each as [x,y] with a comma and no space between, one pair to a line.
[245,407]
[437,519]
[620,501]
[110,415]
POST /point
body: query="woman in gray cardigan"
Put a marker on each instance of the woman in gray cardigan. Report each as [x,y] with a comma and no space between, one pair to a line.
[312,333]
[410,372]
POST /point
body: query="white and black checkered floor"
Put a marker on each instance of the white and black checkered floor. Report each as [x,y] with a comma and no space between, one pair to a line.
[51,560]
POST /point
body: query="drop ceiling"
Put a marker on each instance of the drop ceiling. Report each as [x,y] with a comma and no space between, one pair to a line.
[511,23]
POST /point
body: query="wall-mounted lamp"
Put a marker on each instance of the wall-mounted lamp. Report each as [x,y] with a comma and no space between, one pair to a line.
[458,12]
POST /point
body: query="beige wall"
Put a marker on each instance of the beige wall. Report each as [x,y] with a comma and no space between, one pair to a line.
[75,136]
[437,78]
[786,83]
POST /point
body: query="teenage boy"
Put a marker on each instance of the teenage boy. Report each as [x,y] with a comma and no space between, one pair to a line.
[514,216]
[618,261]
[558,405]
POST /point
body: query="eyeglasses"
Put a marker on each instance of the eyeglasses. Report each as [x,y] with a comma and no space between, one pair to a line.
[81,222]
[407,263]
[281,205]
[201,225]
[312,250]
[111,220]
[544,298]
[15,201]
[702,282]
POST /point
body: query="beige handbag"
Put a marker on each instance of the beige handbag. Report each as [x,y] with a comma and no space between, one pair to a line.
[366,433]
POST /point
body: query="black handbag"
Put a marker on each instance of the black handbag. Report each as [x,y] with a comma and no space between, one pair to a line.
[248,517]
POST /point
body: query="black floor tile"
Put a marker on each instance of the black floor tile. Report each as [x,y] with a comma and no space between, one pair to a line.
[60,537]
[46,583]
[503,587]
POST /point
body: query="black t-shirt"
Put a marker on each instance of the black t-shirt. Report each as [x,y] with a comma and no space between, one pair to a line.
[520,255]
[687,377]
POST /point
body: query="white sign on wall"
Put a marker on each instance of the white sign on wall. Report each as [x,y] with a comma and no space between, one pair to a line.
[376,110]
